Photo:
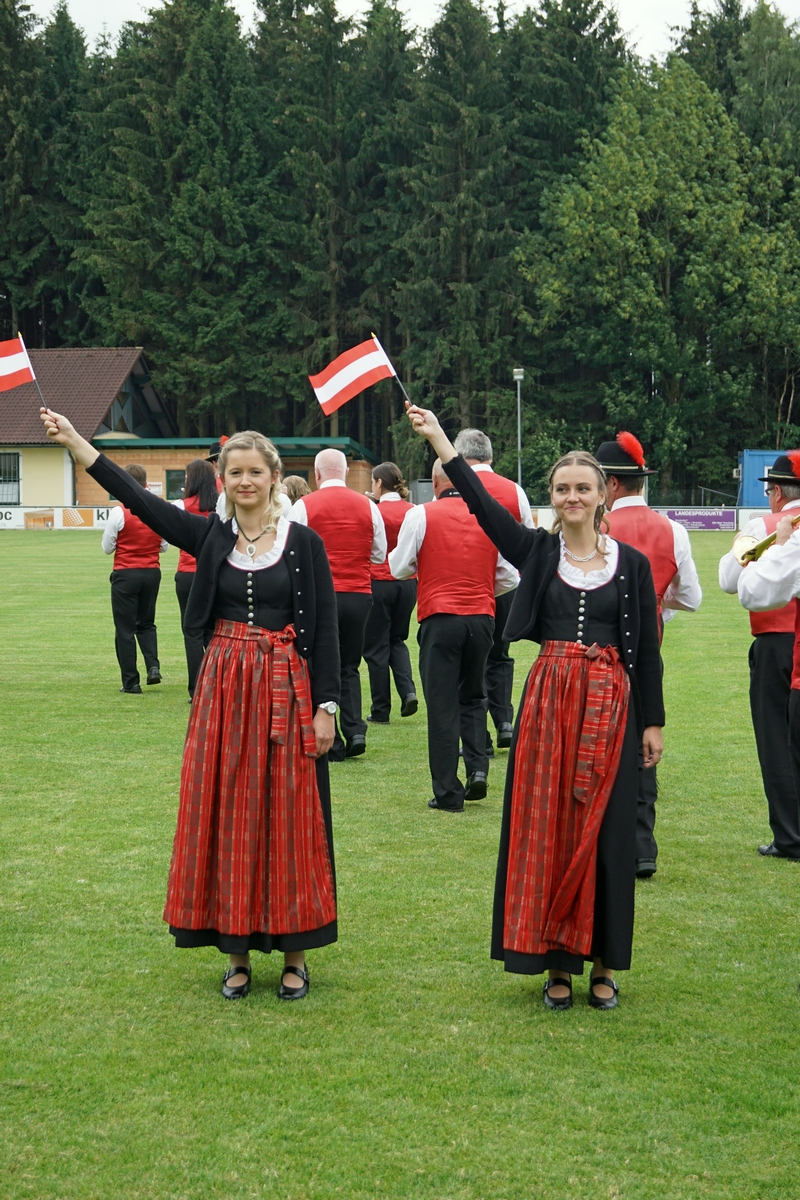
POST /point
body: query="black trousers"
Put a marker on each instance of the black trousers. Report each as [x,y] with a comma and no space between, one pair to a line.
[452,662]
[646,845]
[195,641]
[771,702]
[500,667]
[133,604]
[385,646]
[352,610]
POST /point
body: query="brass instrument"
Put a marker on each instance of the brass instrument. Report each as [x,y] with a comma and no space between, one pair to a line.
[746,549]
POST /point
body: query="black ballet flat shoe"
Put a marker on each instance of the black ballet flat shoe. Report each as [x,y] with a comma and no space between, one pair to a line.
[595,1001]
[236,993]
[294,993]
[505,732]
[409,706]
[564,1002]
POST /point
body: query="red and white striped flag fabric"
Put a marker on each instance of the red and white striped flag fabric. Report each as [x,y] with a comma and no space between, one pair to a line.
[350,373]
[15,366]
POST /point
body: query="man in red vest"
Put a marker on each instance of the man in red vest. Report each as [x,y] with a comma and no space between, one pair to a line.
[352,529]
[666,545]
[474,446]
[459,573]
[135,581]
[770,659]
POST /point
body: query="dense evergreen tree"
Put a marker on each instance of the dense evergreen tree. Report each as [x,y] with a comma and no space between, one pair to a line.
[710,44]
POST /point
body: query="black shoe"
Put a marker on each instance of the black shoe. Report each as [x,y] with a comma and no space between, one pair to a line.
[505,732]
[377,720]
[357,745]
[409,705]
[154,675]
[595,1001]
[645,868]
[476,786]
[772,851]
[132,691]
[236,993]
[294,993]
[434,803]
[565,1002]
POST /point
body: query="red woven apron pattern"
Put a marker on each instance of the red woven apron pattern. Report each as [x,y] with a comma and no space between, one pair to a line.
[568,746]
[251,852]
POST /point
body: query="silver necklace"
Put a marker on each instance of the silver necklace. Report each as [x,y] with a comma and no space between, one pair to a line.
[586,558]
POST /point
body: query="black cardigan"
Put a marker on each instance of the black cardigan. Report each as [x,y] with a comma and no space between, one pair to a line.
[535,553]
[210,541]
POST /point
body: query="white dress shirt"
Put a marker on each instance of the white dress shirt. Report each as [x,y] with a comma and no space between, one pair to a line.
[684,591]
[772,580]
[378,552]
[403,559]
[729,568]
[116,522]
[525,514]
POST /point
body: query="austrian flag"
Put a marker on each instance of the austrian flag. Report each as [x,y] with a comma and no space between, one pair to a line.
[15,366]
[350,373]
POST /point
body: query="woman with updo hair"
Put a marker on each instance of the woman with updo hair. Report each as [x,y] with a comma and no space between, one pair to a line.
[393,601]
[252,863]
[566,869]
[294,486]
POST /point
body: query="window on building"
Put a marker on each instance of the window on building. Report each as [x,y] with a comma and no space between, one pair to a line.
[9,478]
[175,482]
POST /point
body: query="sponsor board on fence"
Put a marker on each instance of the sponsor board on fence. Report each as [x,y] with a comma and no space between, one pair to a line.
[719,520]
[54,518]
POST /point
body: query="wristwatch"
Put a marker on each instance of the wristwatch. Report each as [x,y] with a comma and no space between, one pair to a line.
[329,706]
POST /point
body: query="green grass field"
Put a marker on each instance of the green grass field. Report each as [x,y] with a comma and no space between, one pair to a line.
[416,1068]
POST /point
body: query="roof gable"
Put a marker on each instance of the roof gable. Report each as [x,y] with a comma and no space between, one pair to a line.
[82,383]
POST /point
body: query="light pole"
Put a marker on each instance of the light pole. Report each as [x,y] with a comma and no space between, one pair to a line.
[519,375]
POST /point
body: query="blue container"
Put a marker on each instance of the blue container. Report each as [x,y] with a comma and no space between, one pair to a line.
[752,465]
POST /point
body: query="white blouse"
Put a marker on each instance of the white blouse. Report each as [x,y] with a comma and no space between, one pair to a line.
[575,577]
[243,562]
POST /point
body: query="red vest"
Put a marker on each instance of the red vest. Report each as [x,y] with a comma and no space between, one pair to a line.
[650,533]
[185,561]
[777,620]
[393,512]
[796,659]
[343,519]
[137,546]
[456,563]
[503,491]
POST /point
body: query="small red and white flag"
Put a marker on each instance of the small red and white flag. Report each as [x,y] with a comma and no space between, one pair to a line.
[15,366]
[350,374]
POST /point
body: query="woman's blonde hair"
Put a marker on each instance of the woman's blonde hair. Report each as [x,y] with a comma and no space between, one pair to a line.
[580,458]
[250,439]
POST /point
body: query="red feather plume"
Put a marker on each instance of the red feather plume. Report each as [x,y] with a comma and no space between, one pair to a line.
[631,445]
[794,459]
[223,439]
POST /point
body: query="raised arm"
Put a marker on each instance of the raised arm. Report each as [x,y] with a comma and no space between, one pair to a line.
[175,525]
[513,540]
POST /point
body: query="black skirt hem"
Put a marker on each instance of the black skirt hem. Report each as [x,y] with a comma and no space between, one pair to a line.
[553,960]
[229,943]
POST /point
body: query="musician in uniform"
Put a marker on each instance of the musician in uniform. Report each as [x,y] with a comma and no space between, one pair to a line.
[475,448]
[135,581]
[459,574]
[666,545]
[773,680]
[352,529]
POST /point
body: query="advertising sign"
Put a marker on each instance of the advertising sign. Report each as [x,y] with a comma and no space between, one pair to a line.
[713,519]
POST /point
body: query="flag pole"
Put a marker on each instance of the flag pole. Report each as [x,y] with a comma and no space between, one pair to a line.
[35,380]
[396,376]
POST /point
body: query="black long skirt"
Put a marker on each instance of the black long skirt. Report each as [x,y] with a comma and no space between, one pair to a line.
[612,936]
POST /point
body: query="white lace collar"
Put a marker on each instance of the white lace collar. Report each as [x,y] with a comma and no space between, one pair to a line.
[576,578]
[243,562]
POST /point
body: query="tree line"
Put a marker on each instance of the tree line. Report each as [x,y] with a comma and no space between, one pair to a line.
[495,192]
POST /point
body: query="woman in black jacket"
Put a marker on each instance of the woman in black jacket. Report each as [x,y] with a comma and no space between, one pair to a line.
[252,864]
[566,871]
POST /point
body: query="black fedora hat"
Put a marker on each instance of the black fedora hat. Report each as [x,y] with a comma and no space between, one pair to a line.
[623,456]
[785,469]
[215,450]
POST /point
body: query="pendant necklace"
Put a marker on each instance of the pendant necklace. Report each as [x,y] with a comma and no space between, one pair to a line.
[250,548]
